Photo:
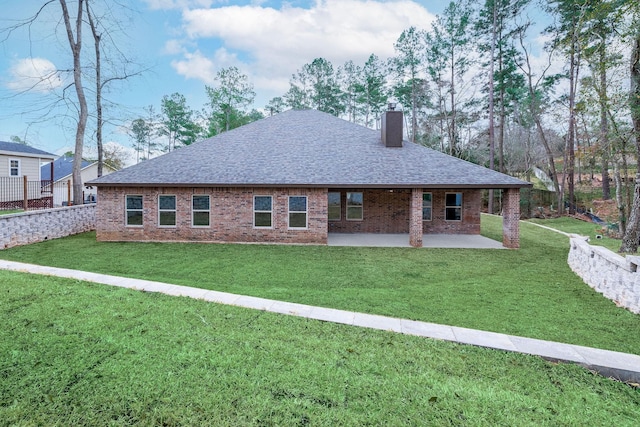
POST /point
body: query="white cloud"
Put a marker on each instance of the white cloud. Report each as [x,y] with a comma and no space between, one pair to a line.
[177,4]
[33,74]
[198,66]
[173,47]
[277,42]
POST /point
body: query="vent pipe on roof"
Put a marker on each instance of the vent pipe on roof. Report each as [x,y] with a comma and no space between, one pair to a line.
[392,127]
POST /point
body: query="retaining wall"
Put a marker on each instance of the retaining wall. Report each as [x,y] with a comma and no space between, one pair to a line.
[614,276]
[37,226]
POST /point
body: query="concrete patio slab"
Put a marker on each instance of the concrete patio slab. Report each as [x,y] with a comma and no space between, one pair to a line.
[622,366]
[451,241]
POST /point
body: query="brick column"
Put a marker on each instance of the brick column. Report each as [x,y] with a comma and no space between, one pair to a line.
[511,218]
[415,218]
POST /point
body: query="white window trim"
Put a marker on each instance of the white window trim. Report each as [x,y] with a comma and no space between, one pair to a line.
[126,210]
[306,214]
[358,206]
[19,167]
[431,216]
[208,211]
[454,207]
[257,211]
[175,211]
[339,204]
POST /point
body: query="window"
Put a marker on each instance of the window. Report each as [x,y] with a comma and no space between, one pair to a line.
[14,167]
[427,204]
[262,210]
[297,211]
[335,211]
[133,206]
[354,206]
[200,208]
[453,207]
[167,211]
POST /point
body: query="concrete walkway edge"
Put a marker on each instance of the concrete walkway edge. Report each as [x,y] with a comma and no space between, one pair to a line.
[621,366]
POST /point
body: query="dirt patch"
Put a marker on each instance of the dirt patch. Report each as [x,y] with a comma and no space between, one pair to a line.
[606,209]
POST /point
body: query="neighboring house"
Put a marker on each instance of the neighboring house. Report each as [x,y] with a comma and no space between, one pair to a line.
[63,179]
[18,161]
[22,160]
[294,178]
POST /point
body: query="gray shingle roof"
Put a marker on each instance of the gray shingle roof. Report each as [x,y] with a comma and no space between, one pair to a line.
[307,148]
[62,166]
[24,149]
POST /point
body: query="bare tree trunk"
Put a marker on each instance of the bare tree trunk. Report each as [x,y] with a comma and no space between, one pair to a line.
[492,135]
[99,120]
[571,160]
[630,239]
[619,201]
[76,47]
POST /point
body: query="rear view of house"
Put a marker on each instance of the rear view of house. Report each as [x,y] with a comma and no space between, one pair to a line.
[296,177]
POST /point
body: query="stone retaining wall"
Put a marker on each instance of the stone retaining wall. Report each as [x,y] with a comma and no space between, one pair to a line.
[37,226]
[614,276]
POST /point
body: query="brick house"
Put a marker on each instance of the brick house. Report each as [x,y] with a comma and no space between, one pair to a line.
[294,178]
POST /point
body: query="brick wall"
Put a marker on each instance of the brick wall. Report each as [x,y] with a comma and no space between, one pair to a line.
[389,212]
[37,226]
[511,218]
[470,224]
[383,212]
[231,216]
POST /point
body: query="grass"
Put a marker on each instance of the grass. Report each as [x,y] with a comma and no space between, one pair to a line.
[73,353]
[9,212]
[583,228]
[528,292]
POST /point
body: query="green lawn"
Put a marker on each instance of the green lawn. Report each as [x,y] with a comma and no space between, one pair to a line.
[528,292]
[583,228]
[79,354]
[8,212]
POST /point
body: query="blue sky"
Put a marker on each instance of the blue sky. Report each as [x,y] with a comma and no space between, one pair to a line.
[183,43]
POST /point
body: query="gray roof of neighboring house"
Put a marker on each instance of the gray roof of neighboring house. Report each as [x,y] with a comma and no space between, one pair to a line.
[24,150]
[62,166]
[307,148]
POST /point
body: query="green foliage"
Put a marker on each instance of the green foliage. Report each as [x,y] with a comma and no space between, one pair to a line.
[316,86]
[178,124]
[73,353]
[527,292]
[229,100]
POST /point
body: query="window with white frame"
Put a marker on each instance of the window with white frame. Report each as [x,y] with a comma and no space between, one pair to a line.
[133,207]
[166,211]
[297,211]
[427,205]
[14,167]
[355,203]
[262,211]
[200,210]
[453,207]
[334,206]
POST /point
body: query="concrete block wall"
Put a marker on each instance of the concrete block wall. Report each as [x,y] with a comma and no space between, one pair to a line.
[37,226]
[614,276]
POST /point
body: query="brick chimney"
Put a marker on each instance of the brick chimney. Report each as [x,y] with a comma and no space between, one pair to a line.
[392,127]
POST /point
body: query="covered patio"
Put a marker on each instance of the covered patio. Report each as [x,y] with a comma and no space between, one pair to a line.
[401,240]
